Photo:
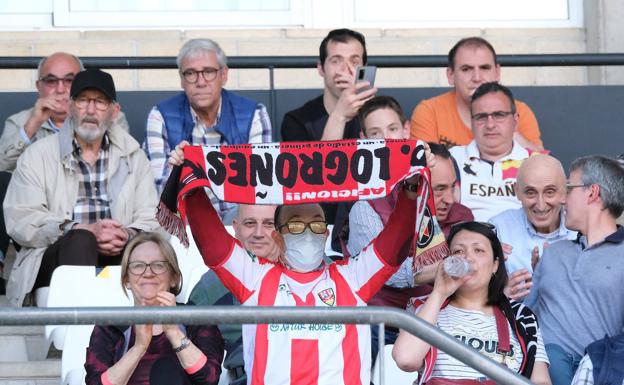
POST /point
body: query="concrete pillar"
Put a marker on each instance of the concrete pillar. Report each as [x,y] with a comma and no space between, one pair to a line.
[605,34]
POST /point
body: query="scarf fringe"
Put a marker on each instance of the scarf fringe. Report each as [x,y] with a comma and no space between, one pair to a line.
[172,223]
[431,256]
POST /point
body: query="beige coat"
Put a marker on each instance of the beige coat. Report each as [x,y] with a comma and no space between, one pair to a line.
[12,144]
[43,192]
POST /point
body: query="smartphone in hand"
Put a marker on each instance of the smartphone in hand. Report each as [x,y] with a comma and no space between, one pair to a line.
[365,73]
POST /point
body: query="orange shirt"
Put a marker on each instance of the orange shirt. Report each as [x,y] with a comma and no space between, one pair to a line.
[437,120]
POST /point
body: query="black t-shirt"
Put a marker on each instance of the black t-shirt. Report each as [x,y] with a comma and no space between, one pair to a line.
[307,122]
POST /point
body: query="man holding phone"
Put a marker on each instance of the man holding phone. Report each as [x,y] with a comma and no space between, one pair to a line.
[331,116]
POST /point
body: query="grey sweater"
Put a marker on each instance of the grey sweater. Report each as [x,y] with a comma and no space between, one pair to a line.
[578,291]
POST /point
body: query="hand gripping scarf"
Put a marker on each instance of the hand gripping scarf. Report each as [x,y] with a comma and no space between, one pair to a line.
[305,172]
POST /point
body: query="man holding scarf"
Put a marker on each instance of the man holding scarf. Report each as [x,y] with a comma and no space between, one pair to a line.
[205,113]
[302,353]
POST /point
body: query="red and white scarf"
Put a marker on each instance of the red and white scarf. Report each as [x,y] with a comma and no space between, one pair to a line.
[305,172]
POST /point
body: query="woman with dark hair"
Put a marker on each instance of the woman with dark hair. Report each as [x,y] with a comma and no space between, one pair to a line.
[474,310]
[153,354]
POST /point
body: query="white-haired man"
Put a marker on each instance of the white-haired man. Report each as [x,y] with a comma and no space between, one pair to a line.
[76,198]
[205,113]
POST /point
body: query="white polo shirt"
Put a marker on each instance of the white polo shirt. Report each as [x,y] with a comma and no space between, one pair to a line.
[488,188]
[513,227]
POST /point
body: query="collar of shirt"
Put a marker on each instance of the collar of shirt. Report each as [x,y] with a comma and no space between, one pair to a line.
[616,237]
[78,151]
[517,152]
[560,232]
[53,125]
[200,122]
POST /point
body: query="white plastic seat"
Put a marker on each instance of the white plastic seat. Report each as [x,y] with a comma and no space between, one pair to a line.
[83,286]
[189,282]
[191,263]
[74,354]
[392,374]
[328,249]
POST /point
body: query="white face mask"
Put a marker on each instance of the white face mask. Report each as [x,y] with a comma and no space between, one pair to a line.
[304,252]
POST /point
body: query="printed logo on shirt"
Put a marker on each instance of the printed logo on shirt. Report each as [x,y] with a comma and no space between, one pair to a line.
[305,328]
[327,296]
[489,347]
[284,287]
[482,190]
[468,169]
[510,168]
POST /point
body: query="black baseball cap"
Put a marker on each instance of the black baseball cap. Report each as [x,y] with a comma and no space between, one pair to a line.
[95,79]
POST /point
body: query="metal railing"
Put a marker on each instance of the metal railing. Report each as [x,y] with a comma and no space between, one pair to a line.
[278,62]
[256,315]
[273,62]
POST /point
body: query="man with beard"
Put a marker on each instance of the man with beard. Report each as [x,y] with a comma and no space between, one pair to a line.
[76,198]
[303,353]
[55,74]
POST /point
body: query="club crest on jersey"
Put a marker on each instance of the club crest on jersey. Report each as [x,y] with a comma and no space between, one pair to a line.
[327,296]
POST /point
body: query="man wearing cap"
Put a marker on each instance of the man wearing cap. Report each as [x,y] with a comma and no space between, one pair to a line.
[76,198]
[55,74]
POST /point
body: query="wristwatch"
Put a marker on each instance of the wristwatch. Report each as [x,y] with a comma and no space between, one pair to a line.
[184,343]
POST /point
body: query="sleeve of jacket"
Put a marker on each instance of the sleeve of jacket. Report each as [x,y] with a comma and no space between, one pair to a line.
[28,220]
[100,353]
[12,144]
[145,199]
[207,339]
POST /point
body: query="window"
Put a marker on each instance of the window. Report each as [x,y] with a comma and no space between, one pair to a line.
[177,13]
[25,13]
[462,13]
[183,14]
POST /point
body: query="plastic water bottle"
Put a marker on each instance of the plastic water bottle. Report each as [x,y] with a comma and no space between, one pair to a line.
[456,266]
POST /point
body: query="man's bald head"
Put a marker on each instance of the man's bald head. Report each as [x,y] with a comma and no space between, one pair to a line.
[541,164]
[51,61]
[55,76]
[541,189]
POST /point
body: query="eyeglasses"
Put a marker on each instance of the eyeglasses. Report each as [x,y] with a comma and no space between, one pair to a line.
[100,104]
[298,227]
[52,81]
[497,116]
[209,74]
[139,268]
[570,186]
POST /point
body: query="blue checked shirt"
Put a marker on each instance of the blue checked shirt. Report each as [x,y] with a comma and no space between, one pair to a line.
[156,147]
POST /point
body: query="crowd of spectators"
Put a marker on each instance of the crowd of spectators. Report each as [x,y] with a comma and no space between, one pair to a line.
[546,256]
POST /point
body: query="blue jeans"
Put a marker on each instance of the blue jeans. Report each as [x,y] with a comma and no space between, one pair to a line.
[563,365]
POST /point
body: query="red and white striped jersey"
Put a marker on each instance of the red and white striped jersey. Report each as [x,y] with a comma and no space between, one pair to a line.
[305,353]
[280,354]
